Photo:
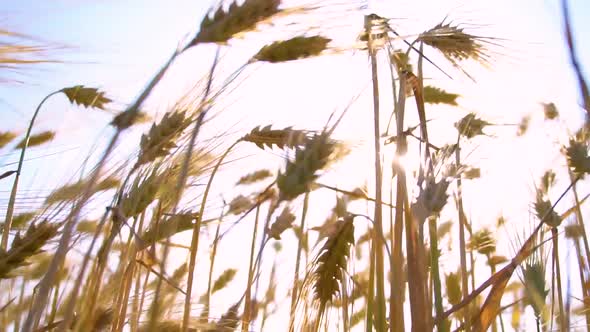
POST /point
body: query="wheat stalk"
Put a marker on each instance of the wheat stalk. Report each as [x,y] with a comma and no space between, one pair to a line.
[281,138]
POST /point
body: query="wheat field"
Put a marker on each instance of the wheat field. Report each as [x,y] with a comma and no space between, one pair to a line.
[391,203]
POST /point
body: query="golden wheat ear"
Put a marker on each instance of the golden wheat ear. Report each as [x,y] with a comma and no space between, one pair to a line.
[296,48]
[160,140]
[6,137]
[25,246]
[224,25]
[36,140]
[87,97]
[254,177]
[281,138]
[456,45]
[300,173]
[330,266]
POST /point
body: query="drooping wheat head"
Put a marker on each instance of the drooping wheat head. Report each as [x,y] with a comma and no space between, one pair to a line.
[25,246]
[224,25]
[302,171]
[300,47]
[331,264]
[161,138]
[287,137]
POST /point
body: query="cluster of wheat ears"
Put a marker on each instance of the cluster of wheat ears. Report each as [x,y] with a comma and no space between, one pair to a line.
[121,276]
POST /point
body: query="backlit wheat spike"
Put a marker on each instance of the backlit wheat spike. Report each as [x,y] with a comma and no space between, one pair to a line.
[103,319]
[549,109]
[168,191]
[577,157]
[292,49]
[523,126]
[71,192]
[166,326]
[125,119]
[282,223]
[254,177]
[87,226]
[483,241]
[87,97]
[471,126]
[401,60]
[455,44]
[37,268]
[36,140]
[535,288]
[282,138]
[223,280]
[224,25]
[229,321]
[161,137]
[453,287]
[239,204]
[172,225]
[26,246]
[573,231]
[434,95]
[300,173]
[21,220]
[6,137]
[496,260]
[358,317]
[141,194]
[544,211]
[331,263]
[431,200]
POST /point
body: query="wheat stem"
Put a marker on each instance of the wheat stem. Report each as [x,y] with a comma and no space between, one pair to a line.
[40,300]
[462,246]
[12,199]
[397,287]
[195,241]
[369,319]
[562,324]
[380,307]
[248,300]
[212,258]
[295,288]
[435,274]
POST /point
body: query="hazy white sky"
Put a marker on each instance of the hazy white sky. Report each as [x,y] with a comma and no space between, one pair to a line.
[119,45]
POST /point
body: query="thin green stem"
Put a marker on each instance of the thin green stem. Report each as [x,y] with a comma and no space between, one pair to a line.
[562,324]
[462,246]
[435,274]
[248,300]
[195,241]
[371,289]
[212,259]
[295,289]
[12,199]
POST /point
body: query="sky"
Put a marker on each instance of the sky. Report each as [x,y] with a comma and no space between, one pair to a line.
[118,45]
